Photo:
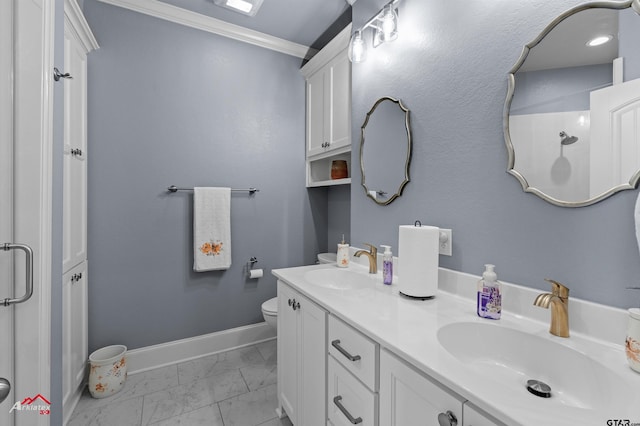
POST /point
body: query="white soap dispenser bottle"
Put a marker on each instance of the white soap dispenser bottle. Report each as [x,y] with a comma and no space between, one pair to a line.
[489,294]
[342,256]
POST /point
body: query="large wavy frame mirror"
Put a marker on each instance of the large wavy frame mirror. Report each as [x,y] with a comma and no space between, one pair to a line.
[558,200]
[388,154]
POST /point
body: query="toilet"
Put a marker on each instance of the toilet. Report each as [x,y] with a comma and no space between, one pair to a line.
[270,307]
[270,312]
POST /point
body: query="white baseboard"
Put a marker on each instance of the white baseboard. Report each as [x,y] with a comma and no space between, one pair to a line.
[150,357]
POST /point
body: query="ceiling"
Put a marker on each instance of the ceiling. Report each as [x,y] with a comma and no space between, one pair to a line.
[565,45]
[305,24]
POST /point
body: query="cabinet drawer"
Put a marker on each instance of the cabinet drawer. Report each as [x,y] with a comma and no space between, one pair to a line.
[348,400]
[356,352]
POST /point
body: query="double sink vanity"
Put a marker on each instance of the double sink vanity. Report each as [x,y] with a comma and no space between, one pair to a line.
[351,350]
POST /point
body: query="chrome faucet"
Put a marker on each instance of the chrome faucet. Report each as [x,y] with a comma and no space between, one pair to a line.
[558,299]
[372,254]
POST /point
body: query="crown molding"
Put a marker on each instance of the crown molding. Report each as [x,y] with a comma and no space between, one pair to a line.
[198,21]
[78,24]
[338,44]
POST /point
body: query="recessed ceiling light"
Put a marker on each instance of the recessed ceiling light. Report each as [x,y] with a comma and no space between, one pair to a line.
[597,41]
[246,7]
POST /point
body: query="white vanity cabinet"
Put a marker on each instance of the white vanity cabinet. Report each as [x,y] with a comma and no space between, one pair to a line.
[352,390]
[302,358]
[473,416]
[408,397]
[328,110]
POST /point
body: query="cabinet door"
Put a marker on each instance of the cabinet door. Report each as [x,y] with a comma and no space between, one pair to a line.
[74,332]
[349,401]
[75,154]
[473,416]
[313,363]
[316,114]
[407,396]
[339,102]
[287,352]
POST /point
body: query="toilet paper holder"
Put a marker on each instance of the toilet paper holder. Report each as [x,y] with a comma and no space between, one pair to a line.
[249,266]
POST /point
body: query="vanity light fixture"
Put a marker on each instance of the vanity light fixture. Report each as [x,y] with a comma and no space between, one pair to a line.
[385,28]
[246,7]
[599,40]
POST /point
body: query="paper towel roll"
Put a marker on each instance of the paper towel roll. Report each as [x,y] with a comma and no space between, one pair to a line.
[418,250]
[255,273]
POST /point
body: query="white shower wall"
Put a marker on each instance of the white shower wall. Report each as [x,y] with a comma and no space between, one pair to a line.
[557,170]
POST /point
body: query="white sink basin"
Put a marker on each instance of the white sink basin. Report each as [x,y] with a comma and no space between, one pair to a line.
[340,279]
[513,357]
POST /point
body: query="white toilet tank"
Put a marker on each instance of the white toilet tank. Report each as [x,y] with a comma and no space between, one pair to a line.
[327,257]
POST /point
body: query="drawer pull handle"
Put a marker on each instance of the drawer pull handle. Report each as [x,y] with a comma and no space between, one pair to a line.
[336,344]
[336,400]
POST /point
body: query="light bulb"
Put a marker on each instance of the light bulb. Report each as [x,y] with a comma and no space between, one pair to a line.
[389,28]
[357,48]
[597,41]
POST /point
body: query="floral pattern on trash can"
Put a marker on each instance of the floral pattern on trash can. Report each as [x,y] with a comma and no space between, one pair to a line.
[108,371]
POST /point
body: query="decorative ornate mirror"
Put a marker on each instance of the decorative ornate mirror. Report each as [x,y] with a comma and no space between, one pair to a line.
[572,113]
[385,158]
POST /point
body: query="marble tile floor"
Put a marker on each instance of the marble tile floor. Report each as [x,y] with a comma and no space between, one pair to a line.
[234,388]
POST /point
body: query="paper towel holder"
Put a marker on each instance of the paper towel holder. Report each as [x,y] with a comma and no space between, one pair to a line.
[444,237]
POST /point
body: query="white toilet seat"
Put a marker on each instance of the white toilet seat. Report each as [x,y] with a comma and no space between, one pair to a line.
[270,307]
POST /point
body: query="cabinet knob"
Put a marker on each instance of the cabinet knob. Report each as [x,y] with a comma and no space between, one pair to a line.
[296,305]
[76,151]
[76,277]
[447,419]
[290,302]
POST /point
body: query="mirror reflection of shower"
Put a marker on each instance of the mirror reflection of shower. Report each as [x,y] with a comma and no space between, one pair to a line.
[565,139]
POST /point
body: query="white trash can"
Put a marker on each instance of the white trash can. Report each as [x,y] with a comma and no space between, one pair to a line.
[108,371]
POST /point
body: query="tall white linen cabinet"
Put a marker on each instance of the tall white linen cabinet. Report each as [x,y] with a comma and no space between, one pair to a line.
[78,42]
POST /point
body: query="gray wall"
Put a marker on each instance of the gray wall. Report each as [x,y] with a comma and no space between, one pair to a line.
[339,216]
[449,66]
[559,90]
[172,105]
[629,33]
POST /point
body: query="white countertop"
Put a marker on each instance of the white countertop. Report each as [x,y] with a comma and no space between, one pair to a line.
[409,328]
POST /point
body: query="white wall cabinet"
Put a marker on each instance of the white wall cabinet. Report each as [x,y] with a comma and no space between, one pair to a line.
[328,110]
[78,42]
[328,106]
[302,358]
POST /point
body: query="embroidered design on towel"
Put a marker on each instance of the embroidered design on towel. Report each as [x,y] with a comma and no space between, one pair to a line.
[211,248]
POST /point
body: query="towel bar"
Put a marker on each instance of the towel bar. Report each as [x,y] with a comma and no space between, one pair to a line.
[251,191]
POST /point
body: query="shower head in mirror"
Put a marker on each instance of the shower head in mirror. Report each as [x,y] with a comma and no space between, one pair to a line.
[565,139]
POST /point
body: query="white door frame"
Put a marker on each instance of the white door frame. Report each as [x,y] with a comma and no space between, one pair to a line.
[6,207]
[32,199]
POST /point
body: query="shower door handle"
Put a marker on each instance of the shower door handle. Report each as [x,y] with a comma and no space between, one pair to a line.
[28,273]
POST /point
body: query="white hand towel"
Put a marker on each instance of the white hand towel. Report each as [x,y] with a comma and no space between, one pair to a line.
[211,229]
[637,219]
